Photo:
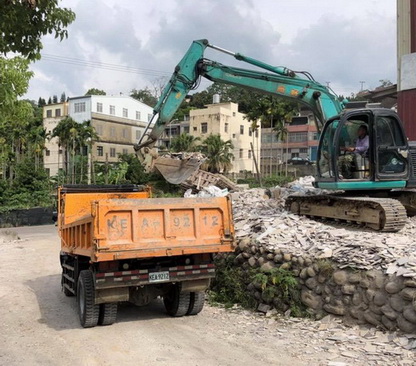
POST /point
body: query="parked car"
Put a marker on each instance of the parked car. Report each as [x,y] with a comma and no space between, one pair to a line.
[299,161]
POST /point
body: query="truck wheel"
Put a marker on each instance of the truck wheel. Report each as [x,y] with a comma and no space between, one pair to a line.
[196,303]
[177,302]
[88,311]
[108,314]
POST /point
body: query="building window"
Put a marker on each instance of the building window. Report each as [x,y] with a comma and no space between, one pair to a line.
[226,127]
[138,134]
[241,130]
[124,132]
[112,132]
[60,151]
[241,153]
[315,136]
[250,132]
[204,127]
[79,107]
[138,115]
[125,113]
[49,113]
[186,129]
[47,152]
[233,135]
[99,107]
[112,152]
[58,112]
[99,129]
[249,154]
[195,128]
[149,117]
[298,136]
[303,150]
[100,151]
[125,151]
[112,109]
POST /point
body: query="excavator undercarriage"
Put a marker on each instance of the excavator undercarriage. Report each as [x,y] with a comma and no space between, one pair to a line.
[386,212]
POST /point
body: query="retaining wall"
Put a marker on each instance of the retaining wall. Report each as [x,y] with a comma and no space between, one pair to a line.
[371,297]
[27,217]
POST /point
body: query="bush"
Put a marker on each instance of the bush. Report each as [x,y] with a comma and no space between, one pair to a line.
[268,182]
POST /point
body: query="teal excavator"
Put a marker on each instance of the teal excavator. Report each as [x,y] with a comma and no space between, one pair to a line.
[373,188]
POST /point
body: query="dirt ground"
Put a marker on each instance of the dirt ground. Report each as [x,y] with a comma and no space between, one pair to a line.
[39,325]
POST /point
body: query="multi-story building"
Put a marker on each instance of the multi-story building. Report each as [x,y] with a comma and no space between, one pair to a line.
[302,141]
[223,119]
[53,158]
[119,122]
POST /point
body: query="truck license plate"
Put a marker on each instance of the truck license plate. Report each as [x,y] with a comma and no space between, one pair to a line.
[159,276]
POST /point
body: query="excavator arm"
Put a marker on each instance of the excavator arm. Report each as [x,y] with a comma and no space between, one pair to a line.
[279,81]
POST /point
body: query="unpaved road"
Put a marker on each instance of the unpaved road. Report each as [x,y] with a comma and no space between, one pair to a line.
[39,325]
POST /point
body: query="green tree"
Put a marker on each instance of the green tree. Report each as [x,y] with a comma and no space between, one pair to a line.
[55,99]
[145,96]
[184,142]
[63,98]
[95,91]
[24,22]
[218,153]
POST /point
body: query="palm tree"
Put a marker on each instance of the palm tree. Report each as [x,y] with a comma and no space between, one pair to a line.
[184,142]
[218,153]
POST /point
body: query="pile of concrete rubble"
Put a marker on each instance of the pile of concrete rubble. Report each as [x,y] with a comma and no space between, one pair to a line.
[267,223]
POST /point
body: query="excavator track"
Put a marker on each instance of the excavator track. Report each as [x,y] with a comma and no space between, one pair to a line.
[380,214]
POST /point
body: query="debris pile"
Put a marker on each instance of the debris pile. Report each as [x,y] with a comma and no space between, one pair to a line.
[267,223]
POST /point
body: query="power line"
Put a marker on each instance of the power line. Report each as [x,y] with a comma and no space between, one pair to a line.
[103,65]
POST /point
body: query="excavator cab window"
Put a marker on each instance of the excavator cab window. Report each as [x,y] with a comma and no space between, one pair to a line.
[326,150]
[353,149]
[392,149]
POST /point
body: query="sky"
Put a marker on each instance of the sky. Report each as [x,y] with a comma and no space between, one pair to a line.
[120,45]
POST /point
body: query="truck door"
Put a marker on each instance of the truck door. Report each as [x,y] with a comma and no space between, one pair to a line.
[391,150]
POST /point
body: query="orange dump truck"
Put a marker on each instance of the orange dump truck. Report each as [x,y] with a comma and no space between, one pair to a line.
[118,244]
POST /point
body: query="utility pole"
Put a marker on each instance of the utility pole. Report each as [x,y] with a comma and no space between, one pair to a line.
[362,85]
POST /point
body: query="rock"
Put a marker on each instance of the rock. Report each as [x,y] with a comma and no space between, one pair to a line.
[287,257]
[408,293]
[365,283]
[409,283]
[356,298]
[396,302]
[270,256]
[405,326]
[311,272]
[244,244]
[311,283]
[348,289]
[392,287]
[388,311]
[303,273]
[267,267]
[354,278]
[301,261]
[239,258]
[278,258]
[253,249]
[375,309]
[372,318]
[318,289]
[246,255]
[340,277]
[261,261]
[387,323]
[263,308]
[369,294]
[380,298]
[310,299]
[321,278]
[334,309]
[356,313]
[409,314]
[286,265]
[252,261]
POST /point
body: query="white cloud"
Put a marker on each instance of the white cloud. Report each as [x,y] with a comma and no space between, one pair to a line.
[339,41]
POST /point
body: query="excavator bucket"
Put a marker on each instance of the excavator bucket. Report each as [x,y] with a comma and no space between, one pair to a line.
[177,170]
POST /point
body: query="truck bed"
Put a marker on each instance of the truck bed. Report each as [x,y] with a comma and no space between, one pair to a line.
[129,227]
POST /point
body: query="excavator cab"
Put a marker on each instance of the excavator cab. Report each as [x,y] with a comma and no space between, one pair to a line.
[363,150]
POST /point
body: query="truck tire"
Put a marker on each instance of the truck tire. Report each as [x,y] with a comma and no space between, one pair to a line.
[196,303]
[177,302]
[108,314]
[87,310]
